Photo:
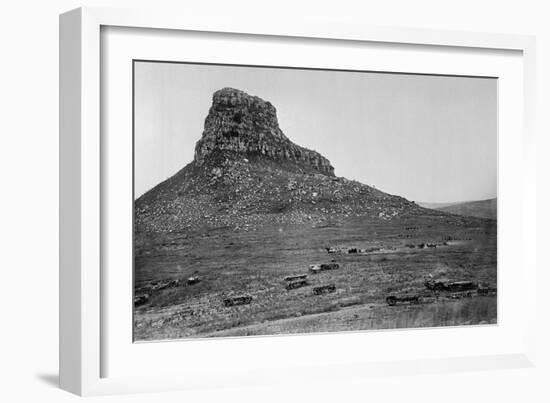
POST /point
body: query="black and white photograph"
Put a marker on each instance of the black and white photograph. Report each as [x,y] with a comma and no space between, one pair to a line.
[297,201]
[277,200]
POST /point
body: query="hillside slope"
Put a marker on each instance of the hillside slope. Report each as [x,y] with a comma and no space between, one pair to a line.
[478,208]
[246,172]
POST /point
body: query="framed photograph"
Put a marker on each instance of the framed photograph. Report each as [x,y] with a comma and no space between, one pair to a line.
[243,201]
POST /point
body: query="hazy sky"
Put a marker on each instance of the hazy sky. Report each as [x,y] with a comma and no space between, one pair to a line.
[427,138]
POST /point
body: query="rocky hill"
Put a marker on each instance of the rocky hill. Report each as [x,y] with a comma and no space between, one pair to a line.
[246,173]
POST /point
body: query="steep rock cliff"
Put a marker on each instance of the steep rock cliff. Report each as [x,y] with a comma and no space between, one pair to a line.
[245,124]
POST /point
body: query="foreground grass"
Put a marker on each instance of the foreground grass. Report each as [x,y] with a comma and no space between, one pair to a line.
[255,262]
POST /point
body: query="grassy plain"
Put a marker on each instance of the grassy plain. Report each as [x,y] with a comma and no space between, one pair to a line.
[254,262]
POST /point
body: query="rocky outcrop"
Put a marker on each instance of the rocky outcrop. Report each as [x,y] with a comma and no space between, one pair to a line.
[245,124]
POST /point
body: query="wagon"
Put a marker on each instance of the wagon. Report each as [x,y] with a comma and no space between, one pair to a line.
[240,300]
[193,280]
[316,268]
[296,284]
[296,277]
[163,284]
[324,289]
[450,286]
[461,286]
[392,300]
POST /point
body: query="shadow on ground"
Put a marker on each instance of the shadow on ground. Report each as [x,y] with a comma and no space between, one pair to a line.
[49,379]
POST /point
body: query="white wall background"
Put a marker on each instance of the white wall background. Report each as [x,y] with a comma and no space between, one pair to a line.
[29,201]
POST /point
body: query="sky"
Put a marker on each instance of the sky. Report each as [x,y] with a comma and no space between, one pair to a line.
[426,138]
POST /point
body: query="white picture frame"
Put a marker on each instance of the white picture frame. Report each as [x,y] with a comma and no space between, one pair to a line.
[82,299]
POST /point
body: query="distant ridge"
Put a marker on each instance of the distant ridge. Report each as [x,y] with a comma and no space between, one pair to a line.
[477,208]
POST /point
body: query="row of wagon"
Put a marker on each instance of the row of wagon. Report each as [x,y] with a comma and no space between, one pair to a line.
[452,289]
[447,289]
[293,282]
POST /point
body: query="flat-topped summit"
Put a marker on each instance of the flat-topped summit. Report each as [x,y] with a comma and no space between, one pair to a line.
[245,124]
